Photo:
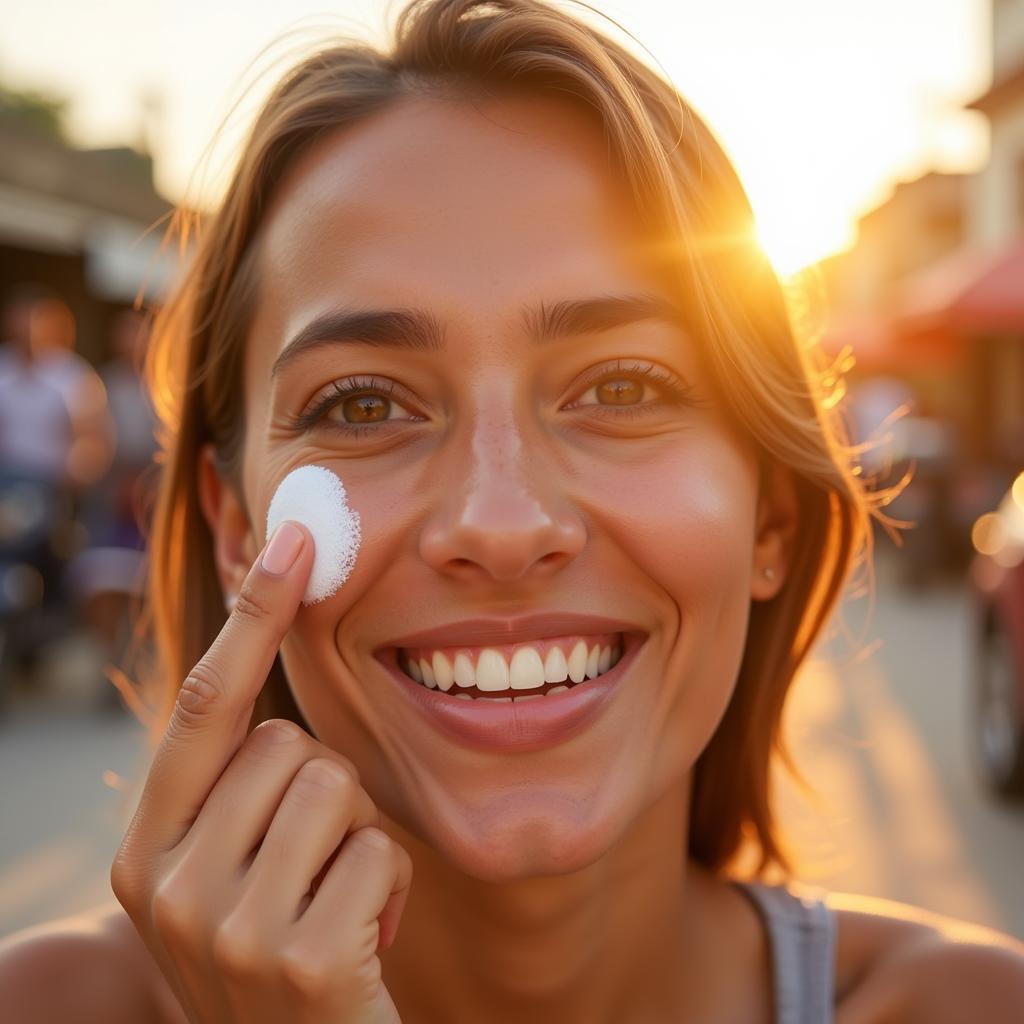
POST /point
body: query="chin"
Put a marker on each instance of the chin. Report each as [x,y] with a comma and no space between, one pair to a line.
[531,848]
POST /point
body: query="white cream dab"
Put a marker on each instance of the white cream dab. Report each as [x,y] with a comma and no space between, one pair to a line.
[315,497]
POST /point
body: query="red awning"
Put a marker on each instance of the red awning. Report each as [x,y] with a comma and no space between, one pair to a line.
[968,293]
[995,302]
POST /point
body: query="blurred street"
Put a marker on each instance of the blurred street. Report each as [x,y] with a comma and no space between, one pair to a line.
[882,732]
[880,729]
[60,757]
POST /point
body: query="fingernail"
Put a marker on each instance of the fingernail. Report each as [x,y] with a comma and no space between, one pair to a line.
[280,554]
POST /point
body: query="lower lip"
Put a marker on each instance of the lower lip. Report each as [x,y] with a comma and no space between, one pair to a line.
[516,727]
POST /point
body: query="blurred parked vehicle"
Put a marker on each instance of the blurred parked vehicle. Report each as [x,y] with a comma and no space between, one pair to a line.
[37,533]
[997,586]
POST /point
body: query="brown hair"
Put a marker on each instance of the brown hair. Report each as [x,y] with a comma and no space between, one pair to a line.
[685,190]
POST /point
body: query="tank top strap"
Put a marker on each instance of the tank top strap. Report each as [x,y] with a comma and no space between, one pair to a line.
[801,930]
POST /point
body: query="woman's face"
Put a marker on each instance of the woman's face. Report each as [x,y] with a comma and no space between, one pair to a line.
[503,474]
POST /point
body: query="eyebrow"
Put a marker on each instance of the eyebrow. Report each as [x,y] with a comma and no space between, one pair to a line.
[419,331]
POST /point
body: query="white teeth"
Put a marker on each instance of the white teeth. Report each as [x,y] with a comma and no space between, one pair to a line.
[527,670]
[491,671]
[556,669]
[443,671]
[557,689]
[428,673]
[464,674]
[578,662]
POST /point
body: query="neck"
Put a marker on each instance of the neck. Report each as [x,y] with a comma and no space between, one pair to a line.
[628,932]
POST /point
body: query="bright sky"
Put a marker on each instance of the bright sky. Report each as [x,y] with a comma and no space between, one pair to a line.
[822,104]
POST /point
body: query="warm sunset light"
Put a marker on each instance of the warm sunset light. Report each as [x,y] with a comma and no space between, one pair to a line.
[816,141]
[793,246]
[800,451]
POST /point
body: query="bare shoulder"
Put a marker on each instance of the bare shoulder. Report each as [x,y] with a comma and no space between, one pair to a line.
[89,967]
[899,964]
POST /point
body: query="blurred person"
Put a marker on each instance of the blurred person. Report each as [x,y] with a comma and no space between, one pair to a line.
[109,575]
[35,423]
[55,441]
[504,282]
[53,411]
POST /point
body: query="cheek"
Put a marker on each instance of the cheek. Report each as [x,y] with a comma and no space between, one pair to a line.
[684,516]
[673,522]
[684,524]
[348,622]
[382,499]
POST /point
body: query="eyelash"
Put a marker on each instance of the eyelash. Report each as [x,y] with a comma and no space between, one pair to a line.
[679,392]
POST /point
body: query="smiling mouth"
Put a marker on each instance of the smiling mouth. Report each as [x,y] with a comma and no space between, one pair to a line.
[523,671]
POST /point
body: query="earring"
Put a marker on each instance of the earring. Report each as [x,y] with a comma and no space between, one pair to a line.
[769,573]
[229,603]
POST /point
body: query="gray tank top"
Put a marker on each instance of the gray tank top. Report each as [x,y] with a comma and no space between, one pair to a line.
[802,938]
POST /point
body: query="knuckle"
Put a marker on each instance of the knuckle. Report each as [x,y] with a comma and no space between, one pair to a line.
[271,741]
[322,780]
[310,975]
[348,765]
[366,978]
[202,692]
[276,730]
[307,976]
[250,606]
[173,910]
[235,950]
[125,878]
[121,882]
[373,841]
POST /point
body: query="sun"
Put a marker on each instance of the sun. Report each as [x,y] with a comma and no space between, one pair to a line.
[791,246]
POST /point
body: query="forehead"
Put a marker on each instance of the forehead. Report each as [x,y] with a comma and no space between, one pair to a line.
[450,204]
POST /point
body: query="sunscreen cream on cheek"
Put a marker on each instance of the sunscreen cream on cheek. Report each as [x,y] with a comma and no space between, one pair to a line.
[315,497]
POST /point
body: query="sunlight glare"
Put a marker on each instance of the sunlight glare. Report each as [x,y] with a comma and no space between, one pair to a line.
[792,246]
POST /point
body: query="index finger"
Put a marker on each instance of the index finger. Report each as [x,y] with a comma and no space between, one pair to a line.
[215,702]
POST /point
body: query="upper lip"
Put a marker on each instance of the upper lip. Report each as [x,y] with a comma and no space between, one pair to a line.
[481,632]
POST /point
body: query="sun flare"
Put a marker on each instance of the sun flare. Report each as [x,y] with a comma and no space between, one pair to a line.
[792,246]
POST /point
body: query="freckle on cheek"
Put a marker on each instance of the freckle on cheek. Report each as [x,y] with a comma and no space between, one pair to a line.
[315,497]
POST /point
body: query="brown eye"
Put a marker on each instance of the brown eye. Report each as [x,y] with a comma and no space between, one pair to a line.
[619,391]
[356,406]
[365,409]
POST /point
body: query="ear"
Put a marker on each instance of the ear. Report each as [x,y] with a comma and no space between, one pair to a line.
[234,545]
[776,529]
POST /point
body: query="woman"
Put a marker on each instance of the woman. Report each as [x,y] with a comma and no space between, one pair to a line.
[501,281]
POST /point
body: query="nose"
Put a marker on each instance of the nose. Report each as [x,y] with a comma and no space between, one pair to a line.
[503,515]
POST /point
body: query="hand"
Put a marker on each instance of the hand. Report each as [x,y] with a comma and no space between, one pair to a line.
[255,869]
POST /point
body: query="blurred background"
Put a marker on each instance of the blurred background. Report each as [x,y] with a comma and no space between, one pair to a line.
[882,146]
